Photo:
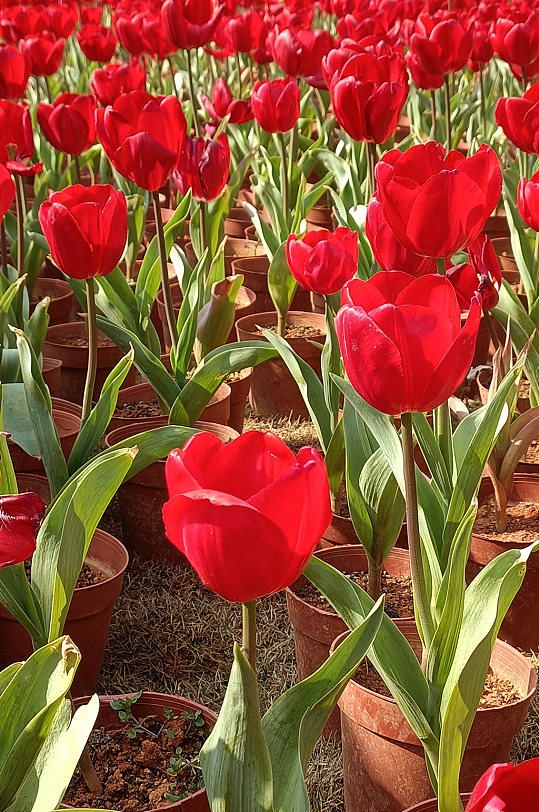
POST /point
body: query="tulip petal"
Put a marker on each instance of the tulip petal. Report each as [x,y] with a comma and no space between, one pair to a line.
[186,469]
[20,516]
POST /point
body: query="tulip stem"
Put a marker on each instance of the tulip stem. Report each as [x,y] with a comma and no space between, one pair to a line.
[194,104]
[165,282]
[483,104]
[524,80]
[491,329]
[440,265]
[92,350]
[284,176]
[19,202]
[249,632]
[447,112]
[77,167]
[433,112]
[238,65]
[412,526]
[372,157]
[4,247]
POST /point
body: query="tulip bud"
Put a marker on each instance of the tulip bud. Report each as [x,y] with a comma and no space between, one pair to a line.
[216,319]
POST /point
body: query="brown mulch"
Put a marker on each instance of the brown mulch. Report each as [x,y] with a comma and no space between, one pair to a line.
[399,601]
[294,330]
[522,521]
[77,340]
[141,408]
[88,576]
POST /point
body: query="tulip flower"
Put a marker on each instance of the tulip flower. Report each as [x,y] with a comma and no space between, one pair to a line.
[519,119]
[241,33]
[154,37]
[403,345]
[203,167]
[441,47]
[247,515]
[14,72]
[388,251]
[20,21]
[300,53]
[91,14]
[7,190]
[517,40]
[276,104]
[528,201]
[20,517]
[190,23]
[129,32]
[482,274]
[61,20]
[507,788]
[323,261]
[224,104]
[97,43]
[435,202]
[44,51]
[69,123]
[112,80]
[16,139]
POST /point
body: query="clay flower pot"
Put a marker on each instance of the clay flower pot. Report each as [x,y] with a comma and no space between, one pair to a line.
[236,222]
[142,497]
[151,704]
[68,343]
[504,252]
[255,273]
[61,297]
[235,247]
[240,387]
[273,389]
[496,225]
[341,531]
[384,762]
[52,374]
[67,426]
[432,804]
[484,379]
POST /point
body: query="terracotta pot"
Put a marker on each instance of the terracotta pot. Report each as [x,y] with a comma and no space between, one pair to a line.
[67,426]
[341,531]
[150,228]
[66,406]
[52,373]
[245,304]
[520,627]
[142,497]
[234,248]
[384,762]
[496,225]
[403,129]
[315,629]
[251,232]
[61,297]
[504,252]
[484,378]
[432,804]
[320,217]
[50,271]
[255,273]
[217,410]
[75,360]
[273,389]
[151,704]
[484,348]
[239,392]
[89,615]
[236,222]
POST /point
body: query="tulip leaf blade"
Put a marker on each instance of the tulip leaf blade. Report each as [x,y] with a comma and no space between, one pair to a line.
[235,758]
[293,724]
[432,454]
[281,284]
[153,445]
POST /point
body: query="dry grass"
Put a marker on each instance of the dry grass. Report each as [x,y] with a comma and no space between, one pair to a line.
[294,431]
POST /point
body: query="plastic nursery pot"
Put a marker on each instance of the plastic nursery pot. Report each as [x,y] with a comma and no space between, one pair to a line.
[52,374]
[432,804]
[236,222]
[315,629]
[90,613]
[484,378]
[273,389]
[255,273]
[383,760]
[520,627]
[61,297]
[142,497]
[240,386]
[69,343]
[151,704]
[66,406]
[341,531]
[245,303]
[217,410]
[67,426]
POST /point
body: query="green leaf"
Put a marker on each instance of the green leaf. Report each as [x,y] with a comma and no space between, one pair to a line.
[432,454]
[281,284]
[235,759]
[153,445]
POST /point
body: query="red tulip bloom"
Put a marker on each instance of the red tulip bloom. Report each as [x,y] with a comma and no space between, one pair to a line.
[191,23]
[389,252]
[420,77]
[20,517]
[300,53]
[86,229]
[97,43]
[528,201]
[20,21]
[143,137]
[442,48]
[7,190]
[90,15]
[224,104]
[154,37]
[368,92]
[16,139]
[323,261]
[403,345]
[519,119]
[44,52]
[203,167]
[69,123]
[14,72]
[129,31]
[482,50]
[111,81]
[61,20]
[241,33]
[482,274]
[437,203]
[517,40]
[276,104]
[507,788]
[247,515]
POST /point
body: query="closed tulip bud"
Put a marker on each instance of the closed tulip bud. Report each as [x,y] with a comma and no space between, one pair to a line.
[61,20]
[216,318]
[16,139]
[111,81]
[507,788]
[223,496]
[300,52]
[203,167]
[402,342]
[45,53]
[518,116]
[129,31]
[143,137]
[517,40]
[97,43]
[191,24]
[154,37]
[86,229]
[323,261]
[69,123]
[91,14]
[442,48]
[20,517]
[276,104]
[7,190]
[528,201]
[14,72]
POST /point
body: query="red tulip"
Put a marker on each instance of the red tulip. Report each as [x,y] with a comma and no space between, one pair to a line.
[247,515]
[44,52]
[420,77]
[389,252]
[16,139]
[61,20]
[112,80]
[20,517]
[482,274]
[7,190]
[402,342]
[507,788]
[191,23]
[203,167]
[368,92]
[86,229]
[241,33]
[90,14]
[154,37]
[437,203]
[97,43]
[20,21]
[323,261]
[143,136]
[300,53]
[128,28]
[14,72]
[276,104]
[517,40]
[519,119]
[441,47]
[69,123]
[528,201]
[482,50]
[224,104]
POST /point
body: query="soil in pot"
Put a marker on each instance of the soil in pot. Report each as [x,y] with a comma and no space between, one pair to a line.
[145,749]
